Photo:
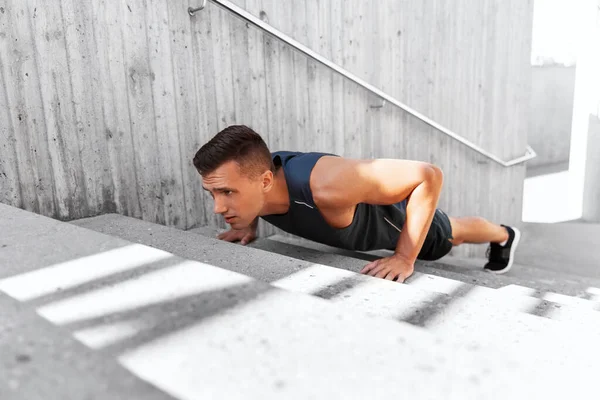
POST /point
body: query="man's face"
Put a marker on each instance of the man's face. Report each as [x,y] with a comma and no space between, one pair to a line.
[236,196]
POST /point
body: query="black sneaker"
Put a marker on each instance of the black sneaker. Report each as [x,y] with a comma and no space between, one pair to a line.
[501,258]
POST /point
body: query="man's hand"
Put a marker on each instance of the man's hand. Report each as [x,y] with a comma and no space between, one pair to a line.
[245,235]
[390,268]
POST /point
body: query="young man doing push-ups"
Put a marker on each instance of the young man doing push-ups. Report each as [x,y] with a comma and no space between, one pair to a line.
[347,203]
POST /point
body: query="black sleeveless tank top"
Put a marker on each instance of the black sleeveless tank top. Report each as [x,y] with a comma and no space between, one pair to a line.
[373,227]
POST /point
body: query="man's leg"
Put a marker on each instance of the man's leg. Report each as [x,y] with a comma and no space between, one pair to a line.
[503,240]
[476,230]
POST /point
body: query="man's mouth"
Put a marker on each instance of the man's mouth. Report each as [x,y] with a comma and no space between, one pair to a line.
[229,219]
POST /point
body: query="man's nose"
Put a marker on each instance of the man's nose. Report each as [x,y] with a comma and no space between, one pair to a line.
[219,207]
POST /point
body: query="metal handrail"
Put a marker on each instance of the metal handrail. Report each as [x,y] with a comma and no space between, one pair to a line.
[529,152]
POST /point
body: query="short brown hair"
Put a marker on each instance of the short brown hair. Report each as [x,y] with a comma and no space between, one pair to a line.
[237,143]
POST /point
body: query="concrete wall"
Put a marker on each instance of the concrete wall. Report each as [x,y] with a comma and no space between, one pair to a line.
[104,103]
[552,91]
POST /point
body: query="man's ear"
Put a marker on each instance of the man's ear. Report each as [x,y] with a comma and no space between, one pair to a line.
[268,180]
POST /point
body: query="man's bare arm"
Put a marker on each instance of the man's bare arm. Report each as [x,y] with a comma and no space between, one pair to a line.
[343,183]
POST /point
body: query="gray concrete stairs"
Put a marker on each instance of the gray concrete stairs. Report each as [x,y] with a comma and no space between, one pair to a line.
[479,316]
[113,307]
[137,322]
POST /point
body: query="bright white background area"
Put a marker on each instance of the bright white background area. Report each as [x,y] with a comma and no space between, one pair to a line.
[563,34]
[554,36]
[546,199]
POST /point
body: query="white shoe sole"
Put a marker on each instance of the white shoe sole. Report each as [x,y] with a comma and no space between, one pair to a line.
[511,258]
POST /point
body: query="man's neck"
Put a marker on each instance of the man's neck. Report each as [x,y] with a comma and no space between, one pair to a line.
[277,200]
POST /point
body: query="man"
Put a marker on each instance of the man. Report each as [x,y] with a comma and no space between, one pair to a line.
[347,203]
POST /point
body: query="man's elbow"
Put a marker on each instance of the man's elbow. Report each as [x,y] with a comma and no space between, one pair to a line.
[434,176]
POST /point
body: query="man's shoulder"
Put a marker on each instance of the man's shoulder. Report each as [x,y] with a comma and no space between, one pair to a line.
[331,179]
[296,159]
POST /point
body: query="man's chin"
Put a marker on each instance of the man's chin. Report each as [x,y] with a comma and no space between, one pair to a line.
[238,225]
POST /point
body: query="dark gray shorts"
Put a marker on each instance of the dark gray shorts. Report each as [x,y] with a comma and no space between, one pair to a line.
[437,243]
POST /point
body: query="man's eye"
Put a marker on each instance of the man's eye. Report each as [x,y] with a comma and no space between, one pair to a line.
[228,192]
